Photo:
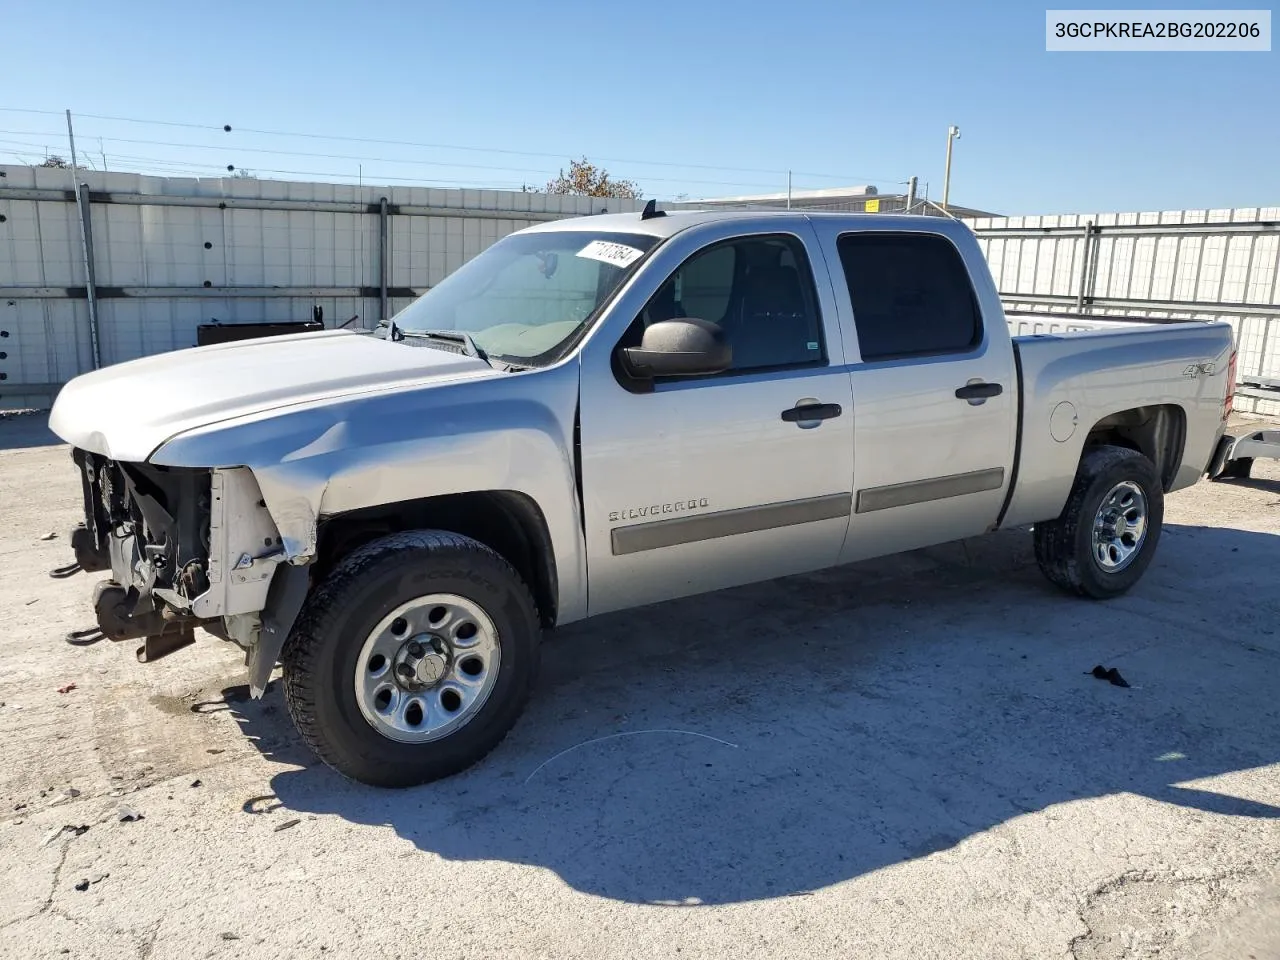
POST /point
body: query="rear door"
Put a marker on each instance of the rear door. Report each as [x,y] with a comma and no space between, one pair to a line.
[934,388]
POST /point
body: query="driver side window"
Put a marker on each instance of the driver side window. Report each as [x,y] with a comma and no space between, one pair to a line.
[758,290]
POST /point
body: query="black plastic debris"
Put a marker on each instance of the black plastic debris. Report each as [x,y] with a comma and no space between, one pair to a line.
[1112,676]
[85,637]
[62,573]
[197,783]
[85,884]
[286,825]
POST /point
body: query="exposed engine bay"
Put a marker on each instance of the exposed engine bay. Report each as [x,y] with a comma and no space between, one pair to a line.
[186,547]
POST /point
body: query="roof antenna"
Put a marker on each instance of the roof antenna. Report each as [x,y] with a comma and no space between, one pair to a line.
[651,210]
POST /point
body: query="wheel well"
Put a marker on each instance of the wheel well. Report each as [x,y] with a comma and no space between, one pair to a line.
[1157,432]
[506,521]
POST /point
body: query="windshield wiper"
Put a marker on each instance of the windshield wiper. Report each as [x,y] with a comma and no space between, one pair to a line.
[464,340]
[461,337]
[466,343]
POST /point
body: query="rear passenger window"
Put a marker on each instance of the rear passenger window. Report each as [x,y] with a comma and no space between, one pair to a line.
[911,295]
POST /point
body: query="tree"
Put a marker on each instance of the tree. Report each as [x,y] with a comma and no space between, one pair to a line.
[585,179]
[56,162]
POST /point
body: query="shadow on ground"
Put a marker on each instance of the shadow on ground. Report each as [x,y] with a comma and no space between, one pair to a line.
[870,715]
[19,431]
[1252,483]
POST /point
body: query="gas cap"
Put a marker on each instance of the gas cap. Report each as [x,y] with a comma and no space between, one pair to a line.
[1063,421]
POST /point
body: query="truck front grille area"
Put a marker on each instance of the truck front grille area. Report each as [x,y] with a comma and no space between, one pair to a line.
[148,524]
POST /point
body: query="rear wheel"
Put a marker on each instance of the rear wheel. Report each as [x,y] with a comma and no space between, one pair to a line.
[413,659]
[1107,534]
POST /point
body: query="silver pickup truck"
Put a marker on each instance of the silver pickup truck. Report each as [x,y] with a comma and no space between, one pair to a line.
[599,413]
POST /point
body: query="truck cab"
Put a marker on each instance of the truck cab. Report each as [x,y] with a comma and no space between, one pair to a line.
[825,440]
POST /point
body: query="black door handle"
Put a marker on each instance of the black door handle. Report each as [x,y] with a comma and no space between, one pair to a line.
[979,391]
[812,411]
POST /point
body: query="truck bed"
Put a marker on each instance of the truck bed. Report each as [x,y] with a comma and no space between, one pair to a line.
[1031,324]
[1073,372]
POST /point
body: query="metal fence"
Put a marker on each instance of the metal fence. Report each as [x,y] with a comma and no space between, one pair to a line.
[1191,264]
[169,254]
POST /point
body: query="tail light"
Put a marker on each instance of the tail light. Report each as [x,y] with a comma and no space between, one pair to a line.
[1228,404]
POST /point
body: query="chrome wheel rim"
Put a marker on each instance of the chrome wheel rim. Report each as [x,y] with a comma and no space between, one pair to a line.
[1120,527]
[427,668]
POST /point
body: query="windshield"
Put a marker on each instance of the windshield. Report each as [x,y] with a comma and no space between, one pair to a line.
[529,294]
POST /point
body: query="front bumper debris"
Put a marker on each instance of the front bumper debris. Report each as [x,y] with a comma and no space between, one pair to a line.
[186,547]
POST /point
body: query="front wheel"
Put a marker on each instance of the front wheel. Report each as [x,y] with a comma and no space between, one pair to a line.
[1107,534]
[413,658]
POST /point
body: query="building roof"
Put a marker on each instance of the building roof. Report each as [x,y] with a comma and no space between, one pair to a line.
[676,220]
[862,199]
[828,193]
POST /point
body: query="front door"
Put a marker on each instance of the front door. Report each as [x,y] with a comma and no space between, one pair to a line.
[714,481]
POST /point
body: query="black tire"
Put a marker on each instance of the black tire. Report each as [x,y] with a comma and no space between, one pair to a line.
[320,655]
[1064,547]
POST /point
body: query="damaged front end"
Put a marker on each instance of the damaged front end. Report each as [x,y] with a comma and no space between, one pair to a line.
[186,547]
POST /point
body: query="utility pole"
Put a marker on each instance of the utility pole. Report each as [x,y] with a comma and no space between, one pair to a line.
[953,133]
[86,248]
[911,194]
[788,189]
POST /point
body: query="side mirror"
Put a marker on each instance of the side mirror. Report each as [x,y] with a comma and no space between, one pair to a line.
[678,348]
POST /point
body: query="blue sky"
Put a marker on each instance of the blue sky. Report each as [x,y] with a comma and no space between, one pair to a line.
[717,98]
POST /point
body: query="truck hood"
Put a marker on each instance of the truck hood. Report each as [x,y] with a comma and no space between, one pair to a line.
[128,410]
